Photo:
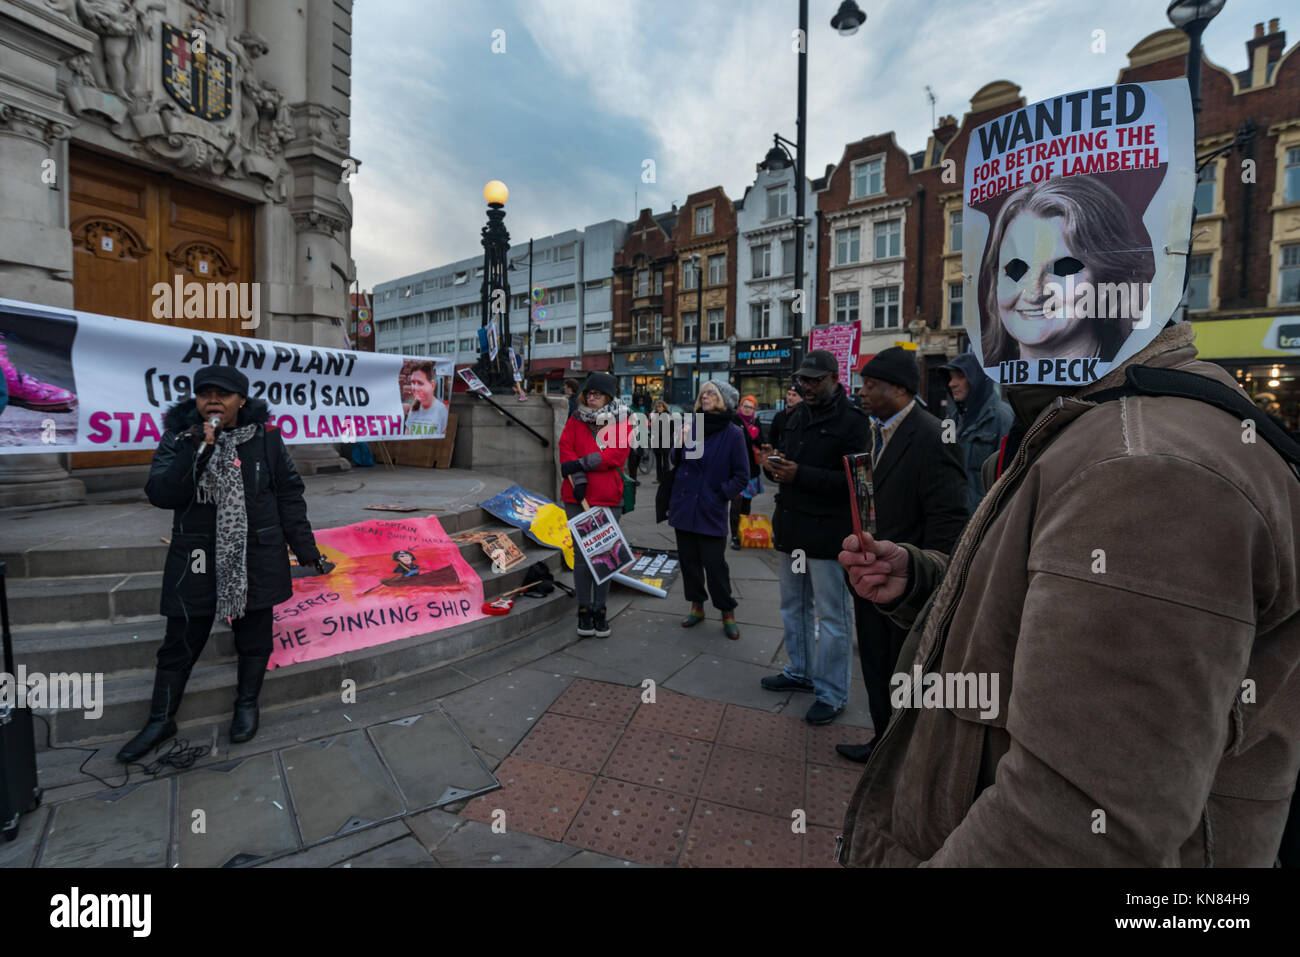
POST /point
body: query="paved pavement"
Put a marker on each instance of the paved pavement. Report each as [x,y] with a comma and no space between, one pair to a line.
[654,747]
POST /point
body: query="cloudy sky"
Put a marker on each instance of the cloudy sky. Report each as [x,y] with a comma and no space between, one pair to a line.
[587,90]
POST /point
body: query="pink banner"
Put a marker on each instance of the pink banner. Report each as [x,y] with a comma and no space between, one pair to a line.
[393,579]
[841,342]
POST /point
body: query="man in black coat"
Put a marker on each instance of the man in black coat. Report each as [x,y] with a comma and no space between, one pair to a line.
[919,489]
[236,500]
[812,518]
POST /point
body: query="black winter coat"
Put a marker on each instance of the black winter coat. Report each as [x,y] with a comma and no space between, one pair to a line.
[273,494]
[920,485]
[812,513]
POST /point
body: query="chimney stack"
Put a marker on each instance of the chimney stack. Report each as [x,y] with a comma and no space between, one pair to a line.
[1263,51]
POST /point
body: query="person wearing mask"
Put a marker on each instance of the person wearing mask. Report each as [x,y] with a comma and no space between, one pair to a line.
[743,502]
[591,467]
[571,393]
[919,489]
[1133,578]
[702,489]
[236,498]
[661,454]
[792,399]
[982,423]
[812,515]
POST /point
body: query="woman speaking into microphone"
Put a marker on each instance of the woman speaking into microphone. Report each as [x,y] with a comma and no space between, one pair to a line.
[236,499]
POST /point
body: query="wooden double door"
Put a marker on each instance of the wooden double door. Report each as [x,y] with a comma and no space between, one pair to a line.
[132,228]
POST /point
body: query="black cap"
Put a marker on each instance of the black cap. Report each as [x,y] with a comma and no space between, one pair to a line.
[224,377]
[818,363]
[896,365]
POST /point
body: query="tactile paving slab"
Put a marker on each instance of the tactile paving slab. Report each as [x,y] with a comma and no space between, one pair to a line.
[128,827]
[823,738]
[598,701]
[721,836]
[537,799]
[658,759]
[338,785]
[245,809]
[753,730]
[679,714]
[819,847]
[631,822]
[754,781]
[567,742]
[431,760]
[829,790]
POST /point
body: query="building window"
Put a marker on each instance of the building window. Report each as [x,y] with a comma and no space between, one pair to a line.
[690,275]
[955,318]
[954,231]
[703,220]
[643,282]
[1289,275]
[717,325]
[717,269]
[566,252]
[889,239]
[760,318]
[596,327]
[659,282]
[847,245]
[469,345]
[689,322]
[519,301]
[412,322]
[1198,282]
[778,202]
[787,256]
[846,307]
[1291,177]
[560,294]
[406,292]
[470,311]
[648,328]
[884,308]
[762,257]
[869,178]
[570,334]
[1205,190]
[386,325]
[787,320]
[442,315]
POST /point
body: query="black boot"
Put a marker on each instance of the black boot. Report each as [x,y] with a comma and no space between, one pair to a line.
[168,687]
[251,673]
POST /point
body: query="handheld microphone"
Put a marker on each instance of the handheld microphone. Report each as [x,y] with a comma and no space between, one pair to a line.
[215,421]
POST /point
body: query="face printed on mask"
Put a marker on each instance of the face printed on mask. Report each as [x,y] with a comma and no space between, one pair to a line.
[1035,253]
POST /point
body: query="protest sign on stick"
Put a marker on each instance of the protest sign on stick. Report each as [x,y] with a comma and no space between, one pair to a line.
[597,536]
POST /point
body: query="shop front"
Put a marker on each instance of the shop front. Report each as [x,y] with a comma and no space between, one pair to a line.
[640,371]
[763,370]
[715,365]
[548,375]
[1263,354]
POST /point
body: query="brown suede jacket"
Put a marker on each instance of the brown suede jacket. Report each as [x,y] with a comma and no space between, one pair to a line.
[1132,581]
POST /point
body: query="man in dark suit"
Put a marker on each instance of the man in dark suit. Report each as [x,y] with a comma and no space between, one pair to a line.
[919,486]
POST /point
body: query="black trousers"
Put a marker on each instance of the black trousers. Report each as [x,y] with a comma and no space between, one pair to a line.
[184,640]
[661,464]
[703,559]
[739,506]
[879,642]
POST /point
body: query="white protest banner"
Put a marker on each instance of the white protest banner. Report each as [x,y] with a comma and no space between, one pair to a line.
[92,383]
[1077,219]
[597,536]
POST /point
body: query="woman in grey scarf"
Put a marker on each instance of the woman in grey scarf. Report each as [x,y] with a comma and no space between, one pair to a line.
[237,499]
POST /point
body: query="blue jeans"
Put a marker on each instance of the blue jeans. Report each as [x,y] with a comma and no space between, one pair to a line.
[818,596]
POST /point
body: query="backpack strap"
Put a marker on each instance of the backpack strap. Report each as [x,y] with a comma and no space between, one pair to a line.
[1147,380]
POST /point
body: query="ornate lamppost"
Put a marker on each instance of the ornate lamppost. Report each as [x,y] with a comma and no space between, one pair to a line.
[497,373]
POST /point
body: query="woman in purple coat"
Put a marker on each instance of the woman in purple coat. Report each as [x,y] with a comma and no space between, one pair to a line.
[703,488]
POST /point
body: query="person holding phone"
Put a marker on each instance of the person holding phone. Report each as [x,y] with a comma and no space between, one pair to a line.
[236,499]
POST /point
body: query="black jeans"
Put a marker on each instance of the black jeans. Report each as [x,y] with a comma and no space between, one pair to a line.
[589,594]
[739,506]
[701,558]
[184,640]
[879,642]
[661,464]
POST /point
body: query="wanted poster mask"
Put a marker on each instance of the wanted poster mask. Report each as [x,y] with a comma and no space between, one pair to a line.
[1076,222]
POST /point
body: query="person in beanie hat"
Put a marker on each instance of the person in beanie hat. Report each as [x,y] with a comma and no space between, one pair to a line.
[812,516]
[983,420]
[236,498]
[593,447]
[919,487]
[702,486]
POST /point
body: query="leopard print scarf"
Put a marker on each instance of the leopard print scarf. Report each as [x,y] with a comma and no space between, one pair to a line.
[222,484]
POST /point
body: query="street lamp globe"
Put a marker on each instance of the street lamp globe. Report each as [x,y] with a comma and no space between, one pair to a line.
[849,17]
[496,193]
[1189,13]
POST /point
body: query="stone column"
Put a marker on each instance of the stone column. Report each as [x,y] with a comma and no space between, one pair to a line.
[35,245]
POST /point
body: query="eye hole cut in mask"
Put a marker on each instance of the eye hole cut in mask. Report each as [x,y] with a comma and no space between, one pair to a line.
[1065,266]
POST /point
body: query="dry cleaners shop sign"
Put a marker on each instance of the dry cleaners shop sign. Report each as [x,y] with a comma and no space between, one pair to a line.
[764,354]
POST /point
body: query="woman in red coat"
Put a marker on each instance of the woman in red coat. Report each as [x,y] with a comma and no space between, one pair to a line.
[593,447]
